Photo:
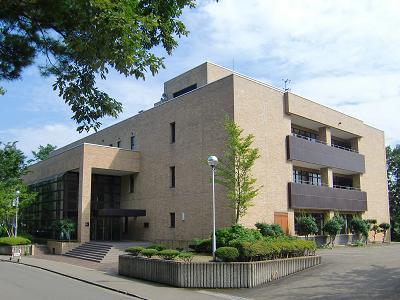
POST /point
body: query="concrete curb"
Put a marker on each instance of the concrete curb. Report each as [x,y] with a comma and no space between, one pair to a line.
[76,278]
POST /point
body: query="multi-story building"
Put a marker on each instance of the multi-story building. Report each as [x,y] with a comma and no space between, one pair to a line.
[146,178]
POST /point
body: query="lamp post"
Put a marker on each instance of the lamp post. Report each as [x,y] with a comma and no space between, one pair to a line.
[212,162]
[15,204]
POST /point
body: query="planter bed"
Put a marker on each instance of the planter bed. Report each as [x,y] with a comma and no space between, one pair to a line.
[210,274]
[8,250]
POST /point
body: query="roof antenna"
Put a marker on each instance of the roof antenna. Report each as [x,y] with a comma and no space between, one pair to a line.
[287,82]
[233,64]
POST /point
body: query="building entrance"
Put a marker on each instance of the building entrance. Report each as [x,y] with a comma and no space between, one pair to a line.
[105,229]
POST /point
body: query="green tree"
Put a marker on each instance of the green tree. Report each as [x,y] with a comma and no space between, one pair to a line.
[307,225]
[360,227]
[332,227]
[393,177]
[42,153]
[82,40]
[2,91]
[234,169]
[64,228]
[12,168]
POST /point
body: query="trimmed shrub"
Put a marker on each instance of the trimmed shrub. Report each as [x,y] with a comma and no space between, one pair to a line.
[201,246]
[307,225]
[359,226]
[158,247]
[277,229]
[186,256]
[168,254]
[14,241]
[267,230]
[135,250]
[384,227]
[227,254]
[332,228]
[227,236]
[148,252]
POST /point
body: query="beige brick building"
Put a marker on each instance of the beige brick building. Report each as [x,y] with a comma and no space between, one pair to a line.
[146,178]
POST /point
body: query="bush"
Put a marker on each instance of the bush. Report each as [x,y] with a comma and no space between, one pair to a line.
[307,225]
[149,252]
[332,228]
[227,254]
[227,236]
[359,226]
[273,230]
[384,227]
[158,247]
[134,250]
[201,246]
[186,256]
[168,254]
[14,241]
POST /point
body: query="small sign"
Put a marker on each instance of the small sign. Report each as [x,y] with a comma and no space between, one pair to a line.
[87,224]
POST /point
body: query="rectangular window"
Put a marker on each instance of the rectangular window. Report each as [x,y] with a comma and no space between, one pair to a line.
[132,183]
[172,175]
[172,127]
[119,144]
[125,225]
[132,142]
[172,220]
[185,90]
[306,177]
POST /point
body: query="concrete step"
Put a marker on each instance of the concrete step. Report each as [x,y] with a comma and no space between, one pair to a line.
[90,251]
[83,257]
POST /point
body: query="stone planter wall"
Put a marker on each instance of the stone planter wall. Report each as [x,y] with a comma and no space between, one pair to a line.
[212,275]
[8,250]
[59,247]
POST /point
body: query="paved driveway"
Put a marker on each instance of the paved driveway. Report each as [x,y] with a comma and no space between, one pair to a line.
[346,273]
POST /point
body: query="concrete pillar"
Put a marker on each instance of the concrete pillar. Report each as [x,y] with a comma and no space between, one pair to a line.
[85,187]
[357,181]
[325,135]
[291,221]
[327,176]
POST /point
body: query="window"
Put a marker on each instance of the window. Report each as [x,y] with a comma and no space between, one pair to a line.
[172,127]
[132,142]
[132,183]
[172,175]
[306,177]
[341,143]
[172,220]
[125,225]
[146,224]
[308,134]
[119,144]
[185,90]
[342,181]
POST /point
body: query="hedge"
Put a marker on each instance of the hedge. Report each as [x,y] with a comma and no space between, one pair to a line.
[201,246]
[135,250]
[273,230]
[14,241]
[149,252]
[168,254]
[157,247]
[227,254]
[186,256]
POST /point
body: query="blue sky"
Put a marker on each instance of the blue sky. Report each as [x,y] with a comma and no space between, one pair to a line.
[343,54]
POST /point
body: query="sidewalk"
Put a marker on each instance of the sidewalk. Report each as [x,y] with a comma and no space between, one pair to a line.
[136,288]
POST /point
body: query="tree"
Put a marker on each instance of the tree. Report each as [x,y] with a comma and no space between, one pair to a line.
[82,40]
[384,227]
[234,169]
[64,227]
[307,225]
[42,153]
[12,168]
[360,227]
[332,227]
[393,177]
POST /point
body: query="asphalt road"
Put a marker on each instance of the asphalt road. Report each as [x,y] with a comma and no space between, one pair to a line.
[347,273]
[19,282]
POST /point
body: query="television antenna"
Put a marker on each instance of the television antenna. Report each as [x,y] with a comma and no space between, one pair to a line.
[287,81]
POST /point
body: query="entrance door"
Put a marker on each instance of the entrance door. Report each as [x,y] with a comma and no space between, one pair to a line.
[106,229]
[281,218]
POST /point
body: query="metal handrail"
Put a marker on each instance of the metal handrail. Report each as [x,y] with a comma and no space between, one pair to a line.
[342,187]
[309,182]
[345,187]
[321,142]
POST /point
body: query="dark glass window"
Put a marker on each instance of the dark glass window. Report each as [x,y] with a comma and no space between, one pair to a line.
[119,144]
[172,220]
[132,183]
[172,128]
[172,174]
[341,143]
[308,134]
[342,181]
[132,142]
[306,177]
[347,220]
[185,90]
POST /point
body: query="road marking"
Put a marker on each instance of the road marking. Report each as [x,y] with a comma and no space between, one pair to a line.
[223,296]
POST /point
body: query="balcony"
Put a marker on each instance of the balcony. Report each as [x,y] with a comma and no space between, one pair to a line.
[307,196]
[316,152]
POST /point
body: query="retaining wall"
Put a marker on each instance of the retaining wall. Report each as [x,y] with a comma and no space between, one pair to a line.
[212,275]
[8,250]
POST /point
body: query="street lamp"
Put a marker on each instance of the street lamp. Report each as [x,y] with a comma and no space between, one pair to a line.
[15,204]
[212,162]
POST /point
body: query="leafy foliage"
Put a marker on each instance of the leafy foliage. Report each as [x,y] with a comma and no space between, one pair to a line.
[64,228]
[42,153]
[273,230]
[359,226]
[201,246]
[234,169]
[135,250]
[230,235]
[186,256]
[227,254]
[332,227]
[307,225]
[158,247]
[393,177]
[384,228]
[168,254]
[83,40]
[14,241]
[149,252]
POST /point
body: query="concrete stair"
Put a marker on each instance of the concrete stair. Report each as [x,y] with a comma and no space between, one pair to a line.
[95,252]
